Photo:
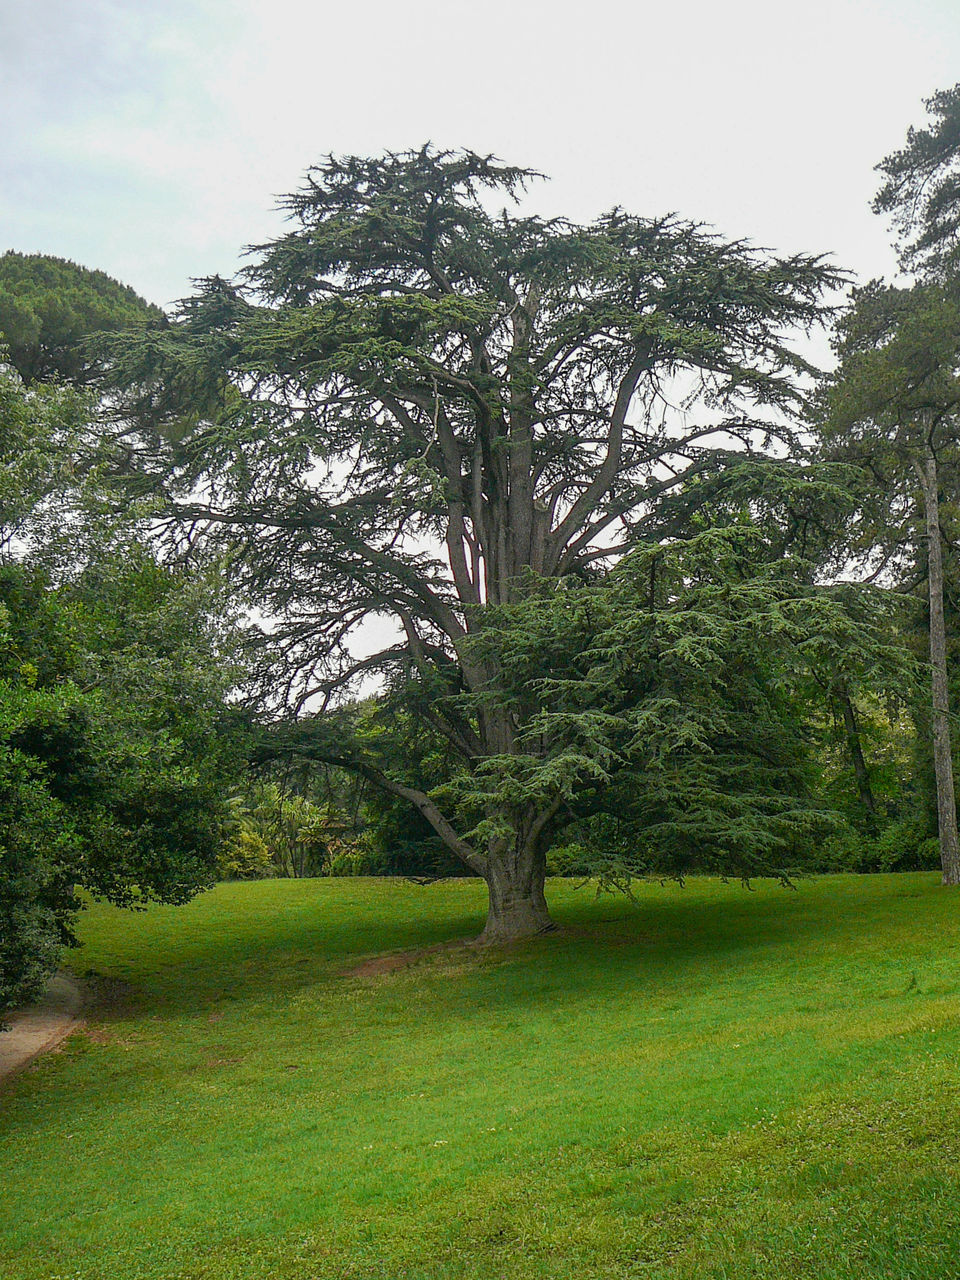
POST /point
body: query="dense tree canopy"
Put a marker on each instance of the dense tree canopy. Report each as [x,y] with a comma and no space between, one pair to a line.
[50,307]
[891,407]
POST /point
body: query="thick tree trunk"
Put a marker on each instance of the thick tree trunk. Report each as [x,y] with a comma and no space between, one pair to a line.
[942,757]
[517,907]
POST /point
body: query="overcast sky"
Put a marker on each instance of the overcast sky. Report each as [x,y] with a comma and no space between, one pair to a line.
[149,137]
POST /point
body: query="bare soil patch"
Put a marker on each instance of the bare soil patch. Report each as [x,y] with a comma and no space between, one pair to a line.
[471,948]
[392,961]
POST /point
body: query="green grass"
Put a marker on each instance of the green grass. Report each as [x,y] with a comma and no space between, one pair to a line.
[710,1083]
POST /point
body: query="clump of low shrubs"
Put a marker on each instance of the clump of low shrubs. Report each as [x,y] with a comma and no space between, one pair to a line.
[244,855]
[905,844]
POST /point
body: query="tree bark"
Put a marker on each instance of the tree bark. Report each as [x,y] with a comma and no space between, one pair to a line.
[517,906]
[942,756]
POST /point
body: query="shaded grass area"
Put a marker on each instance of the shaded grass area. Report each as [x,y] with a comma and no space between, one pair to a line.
[707,1083]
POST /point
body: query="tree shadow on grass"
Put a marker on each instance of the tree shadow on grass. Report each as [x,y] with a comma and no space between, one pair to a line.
[692,936]
[181,959]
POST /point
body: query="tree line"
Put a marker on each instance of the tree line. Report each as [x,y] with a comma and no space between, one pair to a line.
[449,538]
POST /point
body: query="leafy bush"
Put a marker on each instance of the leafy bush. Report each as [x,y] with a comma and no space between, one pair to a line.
[903,845]
[353,857]
[244,856]
[113,751]
[39,857]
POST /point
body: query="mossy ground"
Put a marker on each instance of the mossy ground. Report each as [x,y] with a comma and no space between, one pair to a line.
[708,1083]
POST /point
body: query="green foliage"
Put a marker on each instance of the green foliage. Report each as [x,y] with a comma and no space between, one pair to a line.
[891,402]
[898,350]
[906,844]
[354,857]
[391,730]
[40,843]
[891,408]
[41,435]
[678,716]
[278,833]
[50,307]
[887,737]
[116,743]
[244,854]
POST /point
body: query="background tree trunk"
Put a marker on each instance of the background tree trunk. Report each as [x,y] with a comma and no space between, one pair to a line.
[860,770]
[942,757]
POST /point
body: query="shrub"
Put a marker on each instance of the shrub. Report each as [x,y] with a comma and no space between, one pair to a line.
[903,845]
[245,856]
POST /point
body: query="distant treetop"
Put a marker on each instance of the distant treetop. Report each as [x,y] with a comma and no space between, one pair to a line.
[49,307]
[921,189]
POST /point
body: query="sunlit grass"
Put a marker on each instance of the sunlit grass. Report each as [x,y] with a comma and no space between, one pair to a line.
[708,1083]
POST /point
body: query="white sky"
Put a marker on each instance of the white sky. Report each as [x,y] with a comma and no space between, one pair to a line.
[149,137]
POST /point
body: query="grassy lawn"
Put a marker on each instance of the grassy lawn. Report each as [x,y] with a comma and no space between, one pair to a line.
[709,1083]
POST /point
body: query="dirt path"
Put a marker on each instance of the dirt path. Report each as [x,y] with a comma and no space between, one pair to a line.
[42,1027]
